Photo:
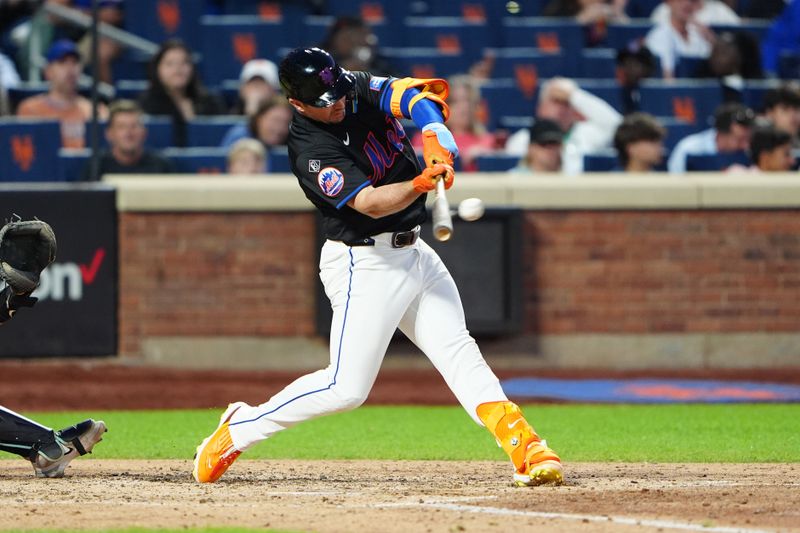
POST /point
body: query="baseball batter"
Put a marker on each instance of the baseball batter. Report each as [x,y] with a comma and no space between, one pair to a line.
[355,163]
[26,249]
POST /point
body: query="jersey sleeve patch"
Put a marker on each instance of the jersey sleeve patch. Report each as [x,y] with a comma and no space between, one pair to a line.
[376,82]
[331,181]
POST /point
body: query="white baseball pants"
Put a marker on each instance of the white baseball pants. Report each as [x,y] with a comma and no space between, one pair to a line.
[373,290]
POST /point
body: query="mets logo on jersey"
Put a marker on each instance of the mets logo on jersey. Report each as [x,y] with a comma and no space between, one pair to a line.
[331,181]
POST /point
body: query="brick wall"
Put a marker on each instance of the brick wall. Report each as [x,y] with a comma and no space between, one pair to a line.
[624,272]
[662,271]
[215,274]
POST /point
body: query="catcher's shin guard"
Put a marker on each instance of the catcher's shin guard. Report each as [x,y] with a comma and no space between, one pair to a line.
[26,438]
[534,463]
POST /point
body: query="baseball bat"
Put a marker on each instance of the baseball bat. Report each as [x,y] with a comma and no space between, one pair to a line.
[442,220]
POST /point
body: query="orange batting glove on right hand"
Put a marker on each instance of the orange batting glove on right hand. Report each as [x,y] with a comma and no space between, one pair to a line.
[438,145]
[426,181]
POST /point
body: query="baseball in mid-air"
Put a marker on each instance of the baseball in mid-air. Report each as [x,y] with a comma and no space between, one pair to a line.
[471,209]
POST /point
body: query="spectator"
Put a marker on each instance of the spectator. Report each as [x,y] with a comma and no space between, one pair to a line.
[247,156]
[782,38]
[589,122]
[62,101]
[466,122]
[270,124]
[639,142]
[43,29]
[126,134]
[593,15]
[176,90]
[782,109]
[9,78]
[680,37]
[634,63]
[258,84]
[110,12]
[734,57]
[733,126]
[354,45]
[771,149]
[709,13]
[544,152]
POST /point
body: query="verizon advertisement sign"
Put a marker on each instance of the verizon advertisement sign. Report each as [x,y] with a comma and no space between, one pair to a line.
[77,310]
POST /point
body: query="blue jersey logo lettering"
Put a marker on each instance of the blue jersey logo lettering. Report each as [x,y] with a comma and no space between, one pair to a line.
[381,156]
[331,181]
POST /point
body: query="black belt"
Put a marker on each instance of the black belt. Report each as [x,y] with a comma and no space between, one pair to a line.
[399,239]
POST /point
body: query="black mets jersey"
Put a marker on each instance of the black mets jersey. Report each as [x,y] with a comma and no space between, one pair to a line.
[333,162]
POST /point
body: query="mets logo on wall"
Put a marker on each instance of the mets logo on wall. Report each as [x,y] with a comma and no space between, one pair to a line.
[331,181]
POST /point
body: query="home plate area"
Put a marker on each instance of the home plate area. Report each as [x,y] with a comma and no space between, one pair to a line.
[403,496]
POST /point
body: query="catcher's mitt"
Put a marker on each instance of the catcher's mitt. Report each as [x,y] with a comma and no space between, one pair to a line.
[26,248]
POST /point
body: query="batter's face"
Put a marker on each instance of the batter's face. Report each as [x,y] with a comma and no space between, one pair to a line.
[332,114]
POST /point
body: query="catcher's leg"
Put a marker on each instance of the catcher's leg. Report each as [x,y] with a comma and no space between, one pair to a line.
[50,452]
[27,438]
[435,322]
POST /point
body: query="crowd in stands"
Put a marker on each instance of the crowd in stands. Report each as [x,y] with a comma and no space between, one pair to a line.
[536,86]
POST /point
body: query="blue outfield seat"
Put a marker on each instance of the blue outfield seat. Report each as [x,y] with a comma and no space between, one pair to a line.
[198,160]
[450,35]
[517,62]
[29,149]
[602,161]
[504,98]
[231,41]
[214,160]
[159,133]
[71,164]
[426,62]
[496,162]
[130,89]
[209,131]
[716,162]
[678,129]
[621,34]
[641,8]
[131,65]
[598,64]
[692,101]
[278,160]
[159,20]
[548,34]
[607,89]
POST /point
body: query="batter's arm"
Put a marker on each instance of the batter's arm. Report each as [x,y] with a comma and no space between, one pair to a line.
[377,202]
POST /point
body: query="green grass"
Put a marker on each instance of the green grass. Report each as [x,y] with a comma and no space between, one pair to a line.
[627,433]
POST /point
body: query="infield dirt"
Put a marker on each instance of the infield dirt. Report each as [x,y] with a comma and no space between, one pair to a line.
[404,496]
[365,496]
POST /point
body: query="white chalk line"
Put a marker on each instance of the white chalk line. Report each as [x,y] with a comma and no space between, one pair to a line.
[449,505]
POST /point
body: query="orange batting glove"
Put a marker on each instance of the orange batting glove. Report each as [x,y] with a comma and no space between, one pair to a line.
[426,181]
[438,145]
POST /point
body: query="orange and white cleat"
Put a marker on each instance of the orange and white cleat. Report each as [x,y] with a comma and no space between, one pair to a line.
[216,453]
[534,463]
[542,467]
